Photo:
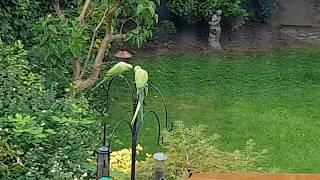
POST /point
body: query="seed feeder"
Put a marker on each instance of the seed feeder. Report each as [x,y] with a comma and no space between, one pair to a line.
[159,169]
[103,163]
[103,158]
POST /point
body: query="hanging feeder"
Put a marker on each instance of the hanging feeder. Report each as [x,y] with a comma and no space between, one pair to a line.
[159,169]
[103,163]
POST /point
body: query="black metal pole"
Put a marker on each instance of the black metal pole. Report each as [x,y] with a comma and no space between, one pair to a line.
[134,137]
[104,132]
[134,152]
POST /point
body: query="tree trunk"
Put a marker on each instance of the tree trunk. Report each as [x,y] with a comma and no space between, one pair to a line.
[84,84]
[58,10]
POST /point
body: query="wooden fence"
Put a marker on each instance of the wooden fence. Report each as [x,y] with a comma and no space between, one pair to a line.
[239,176]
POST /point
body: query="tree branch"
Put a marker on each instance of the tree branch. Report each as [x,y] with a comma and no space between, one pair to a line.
[58,10]
[83,12]
[76,69]
[81,85]
[89,13]
[108,38]
[118,36]
[114,8]
[125,21]
[92,44]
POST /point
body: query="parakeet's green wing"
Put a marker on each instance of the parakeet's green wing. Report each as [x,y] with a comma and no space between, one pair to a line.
[117,70]
[141,78]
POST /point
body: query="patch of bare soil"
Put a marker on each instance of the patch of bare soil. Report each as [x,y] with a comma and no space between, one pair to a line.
[253,37]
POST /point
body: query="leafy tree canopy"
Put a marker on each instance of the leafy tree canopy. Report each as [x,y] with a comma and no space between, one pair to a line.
[85,35]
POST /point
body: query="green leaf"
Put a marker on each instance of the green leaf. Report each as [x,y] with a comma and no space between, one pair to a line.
[128,36]
[87,122]
[136,30]
[140,8]
[41,136]
[50,131]
[18,116]
[36,130]
[55,118]
[52,28]
[152,11]
[156,17]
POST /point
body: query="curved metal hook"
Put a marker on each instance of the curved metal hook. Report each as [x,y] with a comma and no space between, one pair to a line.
[159,125]
[129,85]
[108,91]
[116,127]
[109,87]
[164,105]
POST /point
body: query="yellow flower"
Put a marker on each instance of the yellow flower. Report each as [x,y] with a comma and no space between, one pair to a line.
[139,147]
[121,160]
[148,155]
[97,43]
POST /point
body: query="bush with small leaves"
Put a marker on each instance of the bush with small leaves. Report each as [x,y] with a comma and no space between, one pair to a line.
[54,136]
[9,158]
[198,10]
[191,150]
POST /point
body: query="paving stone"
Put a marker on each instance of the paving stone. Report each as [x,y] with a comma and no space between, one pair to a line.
[314,37]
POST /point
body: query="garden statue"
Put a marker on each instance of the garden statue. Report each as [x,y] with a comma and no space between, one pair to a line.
[215,31]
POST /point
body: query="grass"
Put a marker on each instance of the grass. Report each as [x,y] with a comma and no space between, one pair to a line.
[273,98]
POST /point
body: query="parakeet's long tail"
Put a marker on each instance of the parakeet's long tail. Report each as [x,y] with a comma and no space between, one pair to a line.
[101,82]
[135,113]
[139,108]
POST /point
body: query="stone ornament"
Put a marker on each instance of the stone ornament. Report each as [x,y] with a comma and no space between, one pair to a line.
[215,31]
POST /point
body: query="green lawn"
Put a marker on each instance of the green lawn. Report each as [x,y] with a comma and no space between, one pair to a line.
[273,98]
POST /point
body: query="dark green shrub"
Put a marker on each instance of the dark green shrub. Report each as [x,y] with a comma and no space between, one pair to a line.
[21,90]
[169,26]
[197,10]
[164,32]
[55,136]
[59,43]
[17,18]
[261,10]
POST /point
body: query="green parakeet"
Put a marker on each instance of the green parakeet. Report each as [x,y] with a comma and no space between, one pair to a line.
[141,80]
[116,70]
